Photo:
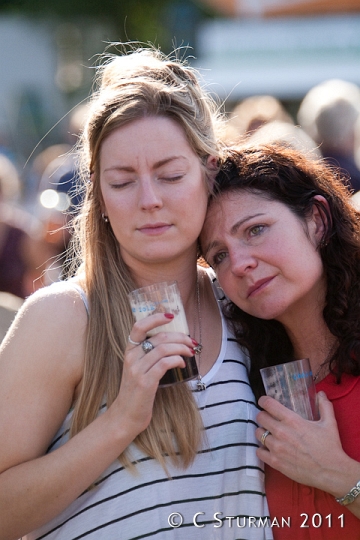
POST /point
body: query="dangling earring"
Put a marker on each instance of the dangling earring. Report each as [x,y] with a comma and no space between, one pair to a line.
[105,218]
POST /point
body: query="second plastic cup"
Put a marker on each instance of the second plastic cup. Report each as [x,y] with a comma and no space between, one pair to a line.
[292,384]
[165,298]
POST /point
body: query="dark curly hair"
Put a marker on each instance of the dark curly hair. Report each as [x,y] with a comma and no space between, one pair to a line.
[288,176]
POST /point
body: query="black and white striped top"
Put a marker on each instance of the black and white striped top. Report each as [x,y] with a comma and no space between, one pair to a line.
[220,496]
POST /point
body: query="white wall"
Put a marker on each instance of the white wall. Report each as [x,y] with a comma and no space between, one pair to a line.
[284,56]
[27,65]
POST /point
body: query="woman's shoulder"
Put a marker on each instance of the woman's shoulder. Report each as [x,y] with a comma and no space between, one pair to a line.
[68,295]
[55,310]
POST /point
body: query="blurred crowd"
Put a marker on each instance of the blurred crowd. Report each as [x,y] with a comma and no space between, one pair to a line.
[36,207]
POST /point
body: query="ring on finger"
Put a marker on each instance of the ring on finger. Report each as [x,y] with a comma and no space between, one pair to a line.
[263,437]
[133,342]
[147,346]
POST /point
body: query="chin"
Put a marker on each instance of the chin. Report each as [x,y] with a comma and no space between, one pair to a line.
[268,314]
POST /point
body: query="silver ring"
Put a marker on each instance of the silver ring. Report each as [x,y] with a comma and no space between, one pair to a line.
[133,342]
[147,346]
[263,437]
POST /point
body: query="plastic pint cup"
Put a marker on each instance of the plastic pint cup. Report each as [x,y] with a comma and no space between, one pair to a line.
[292,384]
[165,298]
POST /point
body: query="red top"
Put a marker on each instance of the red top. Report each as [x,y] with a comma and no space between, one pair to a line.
[312,513]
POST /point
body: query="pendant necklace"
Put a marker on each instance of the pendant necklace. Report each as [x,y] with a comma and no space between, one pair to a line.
[325,364]
[200,383]
[321,367]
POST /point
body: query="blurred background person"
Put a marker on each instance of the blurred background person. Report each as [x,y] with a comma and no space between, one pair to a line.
[287,134]
[253,112]
[328,113]
[59,196]
[21,253]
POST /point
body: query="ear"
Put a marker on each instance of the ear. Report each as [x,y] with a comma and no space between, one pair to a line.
[321,219]
[212,163]
[212,168]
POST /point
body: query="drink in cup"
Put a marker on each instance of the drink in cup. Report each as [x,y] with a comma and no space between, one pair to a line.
[292,384]
[165,298]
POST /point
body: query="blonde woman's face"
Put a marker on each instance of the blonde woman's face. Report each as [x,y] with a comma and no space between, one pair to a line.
[153,190]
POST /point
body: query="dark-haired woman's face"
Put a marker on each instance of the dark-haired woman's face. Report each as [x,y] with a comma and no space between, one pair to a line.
[265,257]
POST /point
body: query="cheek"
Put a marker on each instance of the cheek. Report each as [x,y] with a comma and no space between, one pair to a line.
[229,284]
[117,206]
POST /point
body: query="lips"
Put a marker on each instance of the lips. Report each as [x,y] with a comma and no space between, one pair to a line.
[154,228]
[259,286]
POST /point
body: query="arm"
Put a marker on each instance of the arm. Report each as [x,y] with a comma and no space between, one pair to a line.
[308,452]
[40,372]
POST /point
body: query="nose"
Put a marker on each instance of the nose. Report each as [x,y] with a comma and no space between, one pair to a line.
[242,262]
[149,195]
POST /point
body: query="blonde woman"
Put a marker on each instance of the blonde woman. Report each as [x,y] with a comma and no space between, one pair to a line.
[91,447]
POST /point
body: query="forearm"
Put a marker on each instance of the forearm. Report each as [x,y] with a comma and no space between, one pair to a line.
[341,480]
[33,493]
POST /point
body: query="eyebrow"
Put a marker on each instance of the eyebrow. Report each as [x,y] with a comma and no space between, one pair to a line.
[238,224]
[233,231]
[156,165]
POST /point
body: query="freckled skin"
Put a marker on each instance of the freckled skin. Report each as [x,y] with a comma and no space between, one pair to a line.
[265,256]
[150,175]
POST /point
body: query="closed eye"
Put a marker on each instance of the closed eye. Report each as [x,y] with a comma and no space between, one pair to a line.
[120,185]
[172,178]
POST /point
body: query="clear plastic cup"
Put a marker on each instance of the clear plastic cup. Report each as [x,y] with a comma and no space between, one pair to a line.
[165,298]
[292,384]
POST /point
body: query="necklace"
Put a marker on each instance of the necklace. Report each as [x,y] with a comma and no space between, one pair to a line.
[324,364]
[200,383]
[319,370]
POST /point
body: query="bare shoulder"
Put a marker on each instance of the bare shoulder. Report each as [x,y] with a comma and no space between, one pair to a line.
[56,299]
[41,366]
[51,312]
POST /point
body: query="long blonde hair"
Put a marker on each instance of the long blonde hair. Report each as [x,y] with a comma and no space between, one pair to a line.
[135,85]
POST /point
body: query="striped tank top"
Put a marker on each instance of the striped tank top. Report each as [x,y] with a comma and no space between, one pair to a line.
[219,496]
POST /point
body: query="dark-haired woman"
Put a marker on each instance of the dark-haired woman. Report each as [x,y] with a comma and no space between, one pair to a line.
[284,240]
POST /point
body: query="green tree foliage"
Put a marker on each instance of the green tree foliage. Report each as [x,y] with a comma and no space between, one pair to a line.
[144,20]
[132,19]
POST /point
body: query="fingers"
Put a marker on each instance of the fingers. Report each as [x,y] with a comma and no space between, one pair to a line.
[153,356]
[273,407]
[140,332]
[144,370]
[142,328]
[326,408]
[274,418]
[265,433]
[165,354]
[277,419]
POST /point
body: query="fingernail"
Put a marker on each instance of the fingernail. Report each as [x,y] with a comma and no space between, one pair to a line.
[169,315]
[194,342]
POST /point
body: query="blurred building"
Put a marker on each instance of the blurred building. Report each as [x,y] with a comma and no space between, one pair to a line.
[271,8]
[45,70]
[278,47]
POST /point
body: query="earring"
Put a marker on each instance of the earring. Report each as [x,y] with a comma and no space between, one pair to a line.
[323,243]
[104,218]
